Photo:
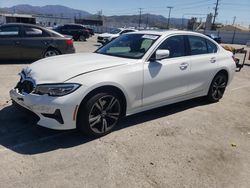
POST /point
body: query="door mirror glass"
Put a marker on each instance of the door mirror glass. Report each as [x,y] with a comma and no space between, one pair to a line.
[161,54]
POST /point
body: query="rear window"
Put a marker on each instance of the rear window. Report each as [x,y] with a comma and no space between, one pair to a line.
[75,27]
[198,45]
[32,32]
[211,47]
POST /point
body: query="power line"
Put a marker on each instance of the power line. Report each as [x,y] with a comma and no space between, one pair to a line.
[192,2]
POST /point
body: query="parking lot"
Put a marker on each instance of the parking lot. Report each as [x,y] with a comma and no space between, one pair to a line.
[189,144]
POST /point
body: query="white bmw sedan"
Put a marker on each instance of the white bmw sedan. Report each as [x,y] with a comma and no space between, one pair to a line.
[135,72]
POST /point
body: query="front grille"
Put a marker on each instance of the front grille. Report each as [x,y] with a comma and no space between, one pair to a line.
[25,86]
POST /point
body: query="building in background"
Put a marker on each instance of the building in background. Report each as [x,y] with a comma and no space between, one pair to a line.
[91,22]
[45,20]
[17,18]
[50,20]
[208,24]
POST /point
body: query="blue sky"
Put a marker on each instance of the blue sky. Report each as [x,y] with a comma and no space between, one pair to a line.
[185,8]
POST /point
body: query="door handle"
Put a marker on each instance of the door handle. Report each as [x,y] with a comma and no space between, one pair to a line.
[183,66]
[213,60]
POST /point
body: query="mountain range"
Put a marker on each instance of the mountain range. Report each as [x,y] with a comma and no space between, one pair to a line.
[55,10]
[151,20]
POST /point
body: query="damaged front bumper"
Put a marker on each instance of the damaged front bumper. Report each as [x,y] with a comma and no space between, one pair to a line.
[53,112]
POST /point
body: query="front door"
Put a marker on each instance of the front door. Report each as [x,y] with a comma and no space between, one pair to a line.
[168,78]
[10,42]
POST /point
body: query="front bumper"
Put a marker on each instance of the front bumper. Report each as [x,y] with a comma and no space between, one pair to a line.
[54,112]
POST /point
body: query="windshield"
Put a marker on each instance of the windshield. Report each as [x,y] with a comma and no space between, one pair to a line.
[115,31]
[132,46]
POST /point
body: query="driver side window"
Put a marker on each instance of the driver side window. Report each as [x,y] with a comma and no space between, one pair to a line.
[175,45]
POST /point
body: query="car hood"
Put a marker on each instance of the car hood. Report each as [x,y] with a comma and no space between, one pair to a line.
[107,35]
[64,67]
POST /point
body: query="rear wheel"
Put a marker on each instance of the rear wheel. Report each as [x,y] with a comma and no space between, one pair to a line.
[100,114]
[50,53]
[82,38]
[217,88]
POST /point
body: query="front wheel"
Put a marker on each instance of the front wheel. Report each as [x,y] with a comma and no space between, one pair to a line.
[100,114]
[217,88]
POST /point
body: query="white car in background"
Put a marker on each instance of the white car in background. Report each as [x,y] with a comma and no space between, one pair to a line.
[107,37]
[133,73]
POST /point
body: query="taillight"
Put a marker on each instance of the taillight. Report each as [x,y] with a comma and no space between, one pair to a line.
[69,42]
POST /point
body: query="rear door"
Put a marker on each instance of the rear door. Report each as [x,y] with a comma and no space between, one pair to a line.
[34,42]
[10,42]
[203,58]
[65,30]
[71,30]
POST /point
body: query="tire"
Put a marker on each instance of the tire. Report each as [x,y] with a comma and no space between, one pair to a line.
[100,114]
[82,38]
[51,52]
[217,88]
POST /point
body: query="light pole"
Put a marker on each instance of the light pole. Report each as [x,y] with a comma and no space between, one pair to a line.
[169,15]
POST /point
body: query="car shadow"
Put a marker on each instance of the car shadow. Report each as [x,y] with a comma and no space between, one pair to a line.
[19,132]
[9,62]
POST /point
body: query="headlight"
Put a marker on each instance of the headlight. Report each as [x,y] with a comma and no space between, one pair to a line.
[56,89]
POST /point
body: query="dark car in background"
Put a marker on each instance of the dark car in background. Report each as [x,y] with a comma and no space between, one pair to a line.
[27,41]
[214,37]
[91,31]
[77,31]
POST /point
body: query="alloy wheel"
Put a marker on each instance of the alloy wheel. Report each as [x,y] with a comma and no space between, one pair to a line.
[51,53]
[218,87]
[82,38]
[104,114]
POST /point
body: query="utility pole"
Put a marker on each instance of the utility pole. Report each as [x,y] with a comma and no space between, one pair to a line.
[147,22]
[140,9]
[215,14]
[99,15]
[234,20]
[169,12]
[234,29]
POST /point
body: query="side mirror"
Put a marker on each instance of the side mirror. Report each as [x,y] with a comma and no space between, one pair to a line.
[161,54]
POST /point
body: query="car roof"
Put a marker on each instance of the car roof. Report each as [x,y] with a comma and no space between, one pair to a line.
[22,24]
[122,29]
[73,24]
[33,25]
[168,32]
